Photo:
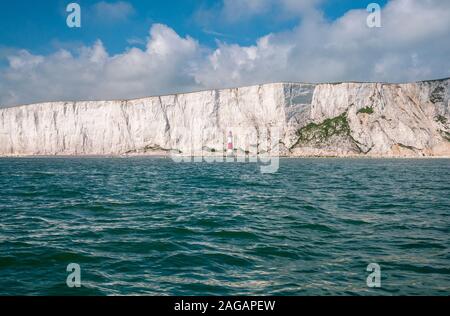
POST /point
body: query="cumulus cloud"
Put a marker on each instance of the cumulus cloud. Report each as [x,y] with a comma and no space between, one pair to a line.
[412,45]
[167,63]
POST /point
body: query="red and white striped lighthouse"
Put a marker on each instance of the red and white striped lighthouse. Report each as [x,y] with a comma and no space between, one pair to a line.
[230,146]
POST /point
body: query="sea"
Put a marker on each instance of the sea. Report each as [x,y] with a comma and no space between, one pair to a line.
[154,226]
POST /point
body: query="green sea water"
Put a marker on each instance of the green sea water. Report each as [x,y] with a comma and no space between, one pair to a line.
[150,226]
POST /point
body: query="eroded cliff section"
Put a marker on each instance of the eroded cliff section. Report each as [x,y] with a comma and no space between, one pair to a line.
[341,119]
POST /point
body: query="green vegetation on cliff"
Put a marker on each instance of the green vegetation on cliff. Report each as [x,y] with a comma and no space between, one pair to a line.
[320,133]
[366,110]
[441,119]
[446,135]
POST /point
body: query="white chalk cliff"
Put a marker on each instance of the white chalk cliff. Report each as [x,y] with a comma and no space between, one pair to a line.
[342,119]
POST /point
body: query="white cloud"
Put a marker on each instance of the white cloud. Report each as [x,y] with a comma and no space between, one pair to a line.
[413,44]
[136,41]
[167,63]
[113,11]
[235,11]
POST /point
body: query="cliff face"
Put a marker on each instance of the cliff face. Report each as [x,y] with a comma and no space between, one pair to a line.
[348,119]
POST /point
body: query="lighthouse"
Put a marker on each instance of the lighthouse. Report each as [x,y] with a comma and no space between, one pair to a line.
[230,147]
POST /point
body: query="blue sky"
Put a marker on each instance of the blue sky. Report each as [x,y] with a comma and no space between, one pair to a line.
[41,27]
[130,49]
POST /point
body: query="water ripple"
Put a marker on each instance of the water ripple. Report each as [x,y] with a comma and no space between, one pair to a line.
[151,226]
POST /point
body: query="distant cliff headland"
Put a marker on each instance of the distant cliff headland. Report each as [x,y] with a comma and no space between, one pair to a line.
[340,119]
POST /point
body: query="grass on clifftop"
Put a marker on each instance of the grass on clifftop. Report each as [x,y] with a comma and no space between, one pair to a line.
[319,133]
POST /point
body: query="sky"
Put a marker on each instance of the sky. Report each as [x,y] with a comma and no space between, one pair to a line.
[130,49]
